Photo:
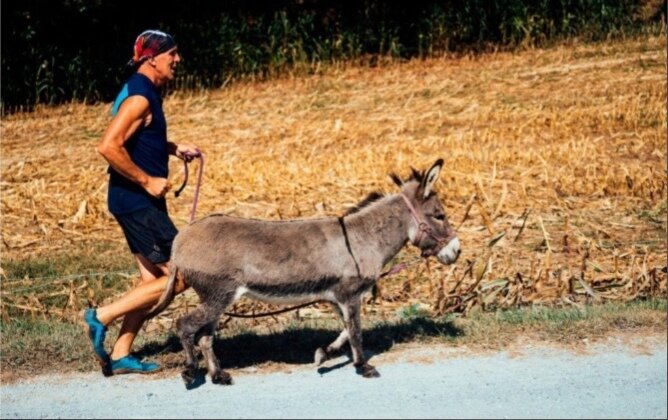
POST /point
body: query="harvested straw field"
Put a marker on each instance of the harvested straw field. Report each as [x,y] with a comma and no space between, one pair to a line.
[555,174]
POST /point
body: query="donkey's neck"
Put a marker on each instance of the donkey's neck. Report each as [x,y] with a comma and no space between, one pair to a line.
[378,232]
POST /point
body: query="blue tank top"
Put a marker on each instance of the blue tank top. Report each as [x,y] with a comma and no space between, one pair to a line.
[147,148]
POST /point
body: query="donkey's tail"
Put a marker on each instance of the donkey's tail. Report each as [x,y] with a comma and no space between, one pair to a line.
[167,295]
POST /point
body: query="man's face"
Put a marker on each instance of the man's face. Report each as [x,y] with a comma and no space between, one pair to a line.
[165,63]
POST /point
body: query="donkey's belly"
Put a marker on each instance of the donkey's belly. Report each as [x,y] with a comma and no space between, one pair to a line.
[292,298]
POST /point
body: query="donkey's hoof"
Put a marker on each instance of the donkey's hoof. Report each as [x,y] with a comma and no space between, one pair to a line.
[189,376]
[222,378]
[367,371]
[320,356]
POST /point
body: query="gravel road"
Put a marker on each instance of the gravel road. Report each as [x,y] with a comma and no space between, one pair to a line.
[529,381]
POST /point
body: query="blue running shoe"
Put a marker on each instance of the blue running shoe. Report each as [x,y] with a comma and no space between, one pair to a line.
[130,364]
[96,333]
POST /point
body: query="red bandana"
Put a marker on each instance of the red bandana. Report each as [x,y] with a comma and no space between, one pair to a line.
[149,44]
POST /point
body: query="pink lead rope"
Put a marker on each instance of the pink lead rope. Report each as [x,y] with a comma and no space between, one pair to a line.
[187,157]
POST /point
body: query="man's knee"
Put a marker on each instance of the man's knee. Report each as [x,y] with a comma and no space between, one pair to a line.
[149,270]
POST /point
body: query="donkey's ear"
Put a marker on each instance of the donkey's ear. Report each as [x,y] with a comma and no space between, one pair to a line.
[396,180]
[430,178]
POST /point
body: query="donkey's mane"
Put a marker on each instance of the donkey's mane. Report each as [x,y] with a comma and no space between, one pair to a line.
[371,198]
[415,176]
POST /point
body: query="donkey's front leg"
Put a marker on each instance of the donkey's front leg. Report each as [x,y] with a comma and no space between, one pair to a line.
[351,314]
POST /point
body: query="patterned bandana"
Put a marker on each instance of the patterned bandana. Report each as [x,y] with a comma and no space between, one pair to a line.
[149,44]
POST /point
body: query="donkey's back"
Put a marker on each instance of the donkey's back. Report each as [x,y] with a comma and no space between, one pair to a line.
[251,252]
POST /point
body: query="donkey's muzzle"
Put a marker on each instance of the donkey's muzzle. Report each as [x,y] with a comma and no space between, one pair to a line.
[450,252]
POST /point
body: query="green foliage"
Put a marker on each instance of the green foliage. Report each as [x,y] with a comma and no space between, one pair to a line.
[542,315]
[90,258]
[30,342]
[58,51]
[413,311]
[93,269]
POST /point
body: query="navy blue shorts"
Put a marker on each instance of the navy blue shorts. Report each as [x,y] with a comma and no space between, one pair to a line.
[149,232]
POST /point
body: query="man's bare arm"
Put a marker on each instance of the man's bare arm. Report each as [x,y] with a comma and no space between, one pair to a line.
[130,117]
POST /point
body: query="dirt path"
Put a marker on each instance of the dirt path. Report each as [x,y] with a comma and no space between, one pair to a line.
[619,379]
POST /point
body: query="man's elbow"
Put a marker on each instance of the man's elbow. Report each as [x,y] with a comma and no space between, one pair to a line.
[103,149]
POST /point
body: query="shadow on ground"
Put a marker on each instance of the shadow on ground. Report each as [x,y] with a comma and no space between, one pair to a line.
[297,346]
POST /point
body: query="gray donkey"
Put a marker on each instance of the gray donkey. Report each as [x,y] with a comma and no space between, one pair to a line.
[296,261]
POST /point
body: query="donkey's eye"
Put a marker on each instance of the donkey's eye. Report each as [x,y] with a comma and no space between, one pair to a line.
[440,217]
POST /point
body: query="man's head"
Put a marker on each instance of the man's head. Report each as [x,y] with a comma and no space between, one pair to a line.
[155,55]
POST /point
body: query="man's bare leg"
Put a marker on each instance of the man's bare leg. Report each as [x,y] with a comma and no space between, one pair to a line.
[152,281]
[133,307]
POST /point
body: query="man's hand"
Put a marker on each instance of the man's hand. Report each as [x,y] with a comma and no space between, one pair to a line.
[186,152]
[157,187]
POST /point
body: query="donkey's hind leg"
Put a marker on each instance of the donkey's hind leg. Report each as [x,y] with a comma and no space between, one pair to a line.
[186,327]
[205,342]
[191,325]
[322,355]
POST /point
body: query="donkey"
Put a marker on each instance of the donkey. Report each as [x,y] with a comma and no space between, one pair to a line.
[296,261]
